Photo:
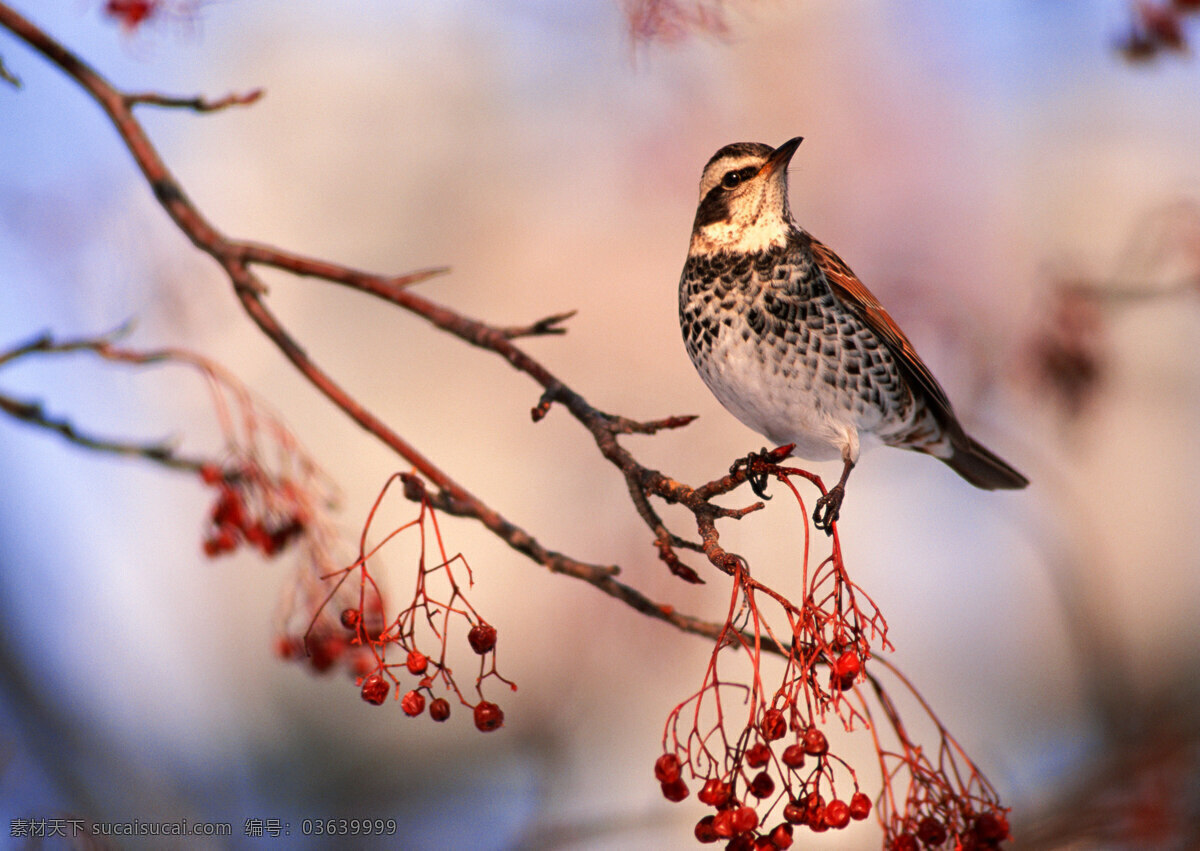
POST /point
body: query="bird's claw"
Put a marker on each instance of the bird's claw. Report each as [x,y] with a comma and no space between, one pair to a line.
[757,481]
[825,514]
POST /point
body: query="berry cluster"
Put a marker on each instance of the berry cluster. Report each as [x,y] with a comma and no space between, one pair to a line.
[773,771]
[251,509]
[427,620]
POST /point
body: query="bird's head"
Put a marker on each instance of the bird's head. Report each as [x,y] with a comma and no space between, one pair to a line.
[744,199]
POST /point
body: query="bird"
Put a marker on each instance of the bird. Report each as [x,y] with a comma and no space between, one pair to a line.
[793,344]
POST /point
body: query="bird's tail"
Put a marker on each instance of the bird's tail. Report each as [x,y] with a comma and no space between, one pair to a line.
[983,468]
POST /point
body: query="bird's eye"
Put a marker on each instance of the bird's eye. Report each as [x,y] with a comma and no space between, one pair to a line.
[731,179]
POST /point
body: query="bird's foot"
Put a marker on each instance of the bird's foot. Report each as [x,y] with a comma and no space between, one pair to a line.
[826,512]
[757,481]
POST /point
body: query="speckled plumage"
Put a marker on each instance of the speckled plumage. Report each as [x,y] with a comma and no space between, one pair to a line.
[792,343]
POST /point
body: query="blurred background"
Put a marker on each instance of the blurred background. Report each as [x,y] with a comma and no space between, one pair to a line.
[1018,182]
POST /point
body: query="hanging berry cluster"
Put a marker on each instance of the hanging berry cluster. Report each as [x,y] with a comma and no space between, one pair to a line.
[760,755]
[426,632]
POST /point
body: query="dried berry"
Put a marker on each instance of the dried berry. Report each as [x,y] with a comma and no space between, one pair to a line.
[931,832]
[837,814]
[413,703]
[666,768]
[781,836]
[773,725]
[715,793]
[416,662]
[860,806]
[793,756]
[488,716]
[482,638]
[762,786]
[439,709]
[375,689]
[744,819]
[815,743]
[705,832]
[675,790]
[757,755]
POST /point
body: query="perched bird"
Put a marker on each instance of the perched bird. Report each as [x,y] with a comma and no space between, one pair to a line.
[792,343]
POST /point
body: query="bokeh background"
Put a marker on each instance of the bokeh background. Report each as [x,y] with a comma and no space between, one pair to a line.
[971,162]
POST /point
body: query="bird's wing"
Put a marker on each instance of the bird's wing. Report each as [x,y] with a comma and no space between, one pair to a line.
[851,292]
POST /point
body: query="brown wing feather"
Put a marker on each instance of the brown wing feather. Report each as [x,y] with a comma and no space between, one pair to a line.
[969,459]
[854,295]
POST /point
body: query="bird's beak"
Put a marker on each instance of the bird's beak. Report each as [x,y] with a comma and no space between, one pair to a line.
[780,157]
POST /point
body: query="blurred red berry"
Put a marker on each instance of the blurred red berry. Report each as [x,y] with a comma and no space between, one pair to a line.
[210,474]
[723,823]
[757,755]
[375,689]
[762,786]
[439,709]
[781,836]
[744,819]
[793,756]
[992,827]
[131,13]
[482,638]
[705,832]
[488,716]
[773,725]
[675,790]
[715,793]
[931,832]
[416,662]
[837,814]
[860,806]
[815,743]
[324,651]
[413,703]
[666,768]
[905,842]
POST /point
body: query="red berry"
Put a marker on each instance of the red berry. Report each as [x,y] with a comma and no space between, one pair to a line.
[705,832]
[773,725]
[482,638]
[794,813]
[793,756]
[488,716]
[837,814]
[762,786]
[815,743]
[375,689]
[781,836]
[715,793]
[723,823]
[860,806]
[351,618]
[289,647]
[931,832]
[757,755]
[816,820]
[210,474]
[675,790]
[744,819]
[905,842]
[413,703]
[416,662]
[991,827]
[439,709]
[666,768]
[324,651]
